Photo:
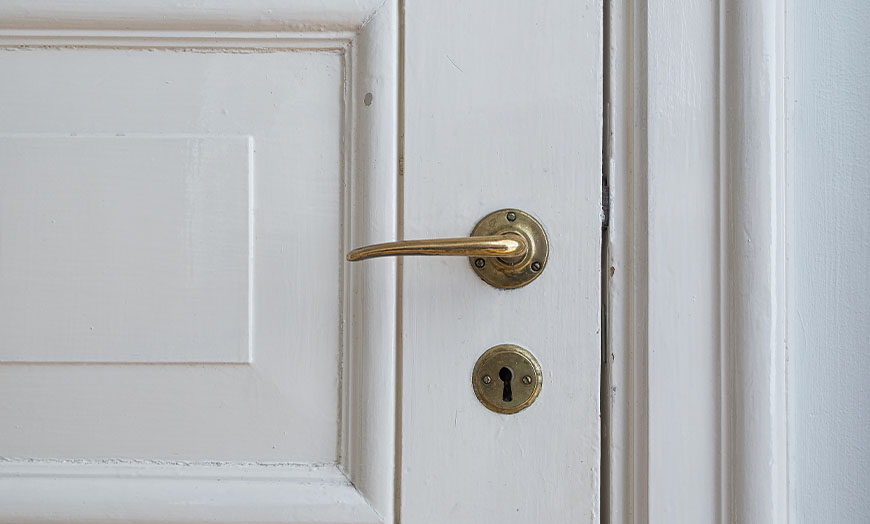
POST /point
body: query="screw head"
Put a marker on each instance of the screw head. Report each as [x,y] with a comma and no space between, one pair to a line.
[486,379]
[527,380]
[479,263]
[511,216]
[536,266]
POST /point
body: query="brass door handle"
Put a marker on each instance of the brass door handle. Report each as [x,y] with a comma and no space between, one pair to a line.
[507,245]
[507,248]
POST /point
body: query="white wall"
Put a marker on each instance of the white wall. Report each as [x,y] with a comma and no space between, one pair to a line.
[830,344]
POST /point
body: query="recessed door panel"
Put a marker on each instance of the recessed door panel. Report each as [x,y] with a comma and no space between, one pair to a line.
[170,265]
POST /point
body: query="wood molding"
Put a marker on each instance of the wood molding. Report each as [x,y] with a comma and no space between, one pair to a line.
[696,365]
[370,391]
[208,15]
[157,491]
[754,458]
[242,41]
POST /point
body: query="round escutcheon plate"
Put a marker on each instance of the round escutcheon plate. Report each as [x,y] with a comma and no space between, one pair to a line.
[507,379]
[519,271]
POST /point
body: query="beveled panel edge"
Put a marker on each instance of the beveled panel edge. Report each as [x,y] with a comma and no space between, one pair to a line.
[208,15]
[170,491]
[369,425]
[248,41]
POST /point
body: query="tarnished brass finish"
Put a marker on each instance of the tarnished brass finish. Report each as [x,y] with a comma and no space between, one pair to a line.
[507,379]
[512,272]
[507,249]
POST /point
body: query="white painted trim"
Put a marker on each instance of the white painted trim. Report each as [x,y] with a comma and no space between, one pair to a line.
[142,491]
[206,15]
[695,373]
[194,41]
[753,253]
[788,240]
[371,215]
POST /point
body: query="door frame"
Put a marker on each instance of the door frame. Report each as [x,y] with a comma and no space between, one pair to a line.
[696,261]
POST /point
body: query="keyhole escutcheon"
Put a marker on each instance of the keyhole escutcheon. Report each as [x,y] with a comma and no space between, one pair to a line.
[507,378]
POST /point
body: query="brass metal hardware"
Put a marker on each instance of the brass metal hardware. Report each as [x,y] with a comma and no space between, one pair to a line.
[507,379]
[507,248]
[512,272]
[509,245]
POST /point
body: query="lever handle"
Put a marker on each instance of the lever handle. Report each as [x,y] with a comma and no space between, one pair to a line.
[508,248]
[507,245]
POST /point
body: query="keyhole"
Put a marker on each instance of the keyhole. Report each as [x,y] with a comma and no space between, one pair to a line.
[506,375]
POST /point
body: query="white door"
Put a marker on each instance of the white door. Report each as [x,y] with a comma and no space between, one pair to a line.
[181,338]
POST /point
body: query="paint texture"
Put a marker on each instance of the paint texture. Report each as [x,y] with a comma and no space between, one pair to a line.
[830,333]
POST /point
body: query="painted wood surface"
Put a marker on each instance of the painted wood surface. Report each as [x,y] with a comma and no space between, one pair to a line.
[91,272]
[165,220]
[829,386]
[142,491]
[754,279]
[696,392]
[502,108]
[309,425]
[372,177]
[297,424]
[205,15]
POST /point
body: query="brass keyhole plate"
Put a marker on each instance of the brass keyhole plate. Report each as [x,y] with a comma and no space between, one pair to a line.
[507,379]
[510,274]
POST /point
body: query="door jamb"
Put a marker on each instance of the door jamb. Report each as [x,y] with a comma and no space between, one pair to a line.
[696,261]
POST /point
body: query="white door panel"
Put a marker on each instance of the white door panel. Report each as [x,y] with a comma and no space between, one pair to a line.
[125,248]
[153,202]
[181,339]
